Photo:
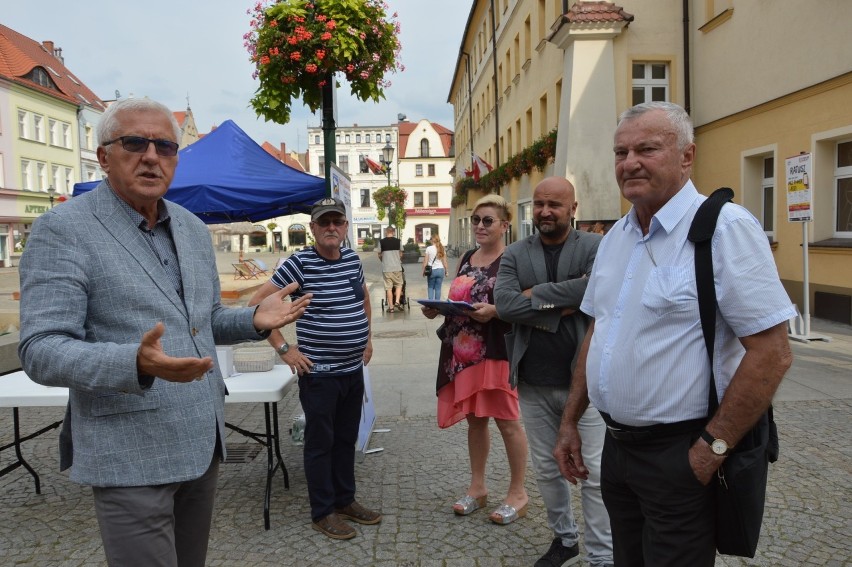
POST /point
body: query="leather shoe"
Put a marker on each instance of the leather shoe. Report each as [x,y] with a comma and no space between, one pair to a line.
[358,513]
[559,555]
[334,527]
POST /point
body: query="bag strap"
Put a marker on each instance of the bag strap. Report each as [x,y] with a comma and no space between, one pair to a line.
[701,235]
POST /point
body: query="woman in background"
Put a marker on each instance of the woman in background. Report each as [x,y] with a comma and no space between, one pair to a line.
[435,258]
[473,369]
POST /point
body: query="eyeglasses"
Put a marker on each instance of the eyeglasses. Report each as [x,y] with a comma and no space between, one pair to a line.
[139,145]
[323,223]
[486,221]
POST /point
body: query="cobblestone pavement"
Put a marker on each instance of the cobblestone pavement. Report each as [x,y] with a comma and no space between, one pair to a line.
[422,470]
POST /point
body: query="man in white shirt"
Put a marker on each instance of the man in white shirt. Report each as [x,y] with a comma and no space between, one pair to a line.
[646,365]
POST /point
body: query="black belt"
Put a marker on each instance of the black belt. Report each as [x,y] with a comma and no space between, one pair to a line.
[621,432]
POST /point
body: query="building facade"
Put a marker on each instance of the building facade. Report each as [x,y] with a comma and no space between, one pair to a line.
[47,136]
[762,81]
[421,164]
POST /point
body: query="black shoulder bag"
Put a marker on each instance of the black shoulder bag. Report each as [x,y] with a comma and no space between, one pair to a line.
[741,480]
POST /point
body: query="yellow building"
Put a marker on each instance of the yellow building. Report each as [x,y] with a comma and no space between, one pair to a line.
[763,81]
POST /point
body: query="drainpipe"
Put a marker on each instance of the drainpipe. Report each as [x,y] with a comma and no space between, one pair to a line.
[469,104]
[687,103]
[496,94]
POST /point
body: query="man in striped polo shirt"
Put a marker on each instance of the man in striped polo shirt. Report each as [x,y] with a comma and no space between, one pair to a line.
[333,347]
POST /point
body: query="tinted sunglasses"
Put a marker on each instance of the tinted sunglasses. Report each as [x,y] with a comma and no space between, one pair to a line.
[139,145]
[486,221]
[323,223]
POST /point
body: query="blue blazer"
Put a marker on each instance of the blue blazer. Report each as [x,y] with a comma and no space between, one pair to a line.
[90,288]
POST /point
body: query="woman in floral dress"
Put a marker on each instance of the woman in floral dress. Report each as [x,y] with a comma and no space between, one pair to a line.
[473,370]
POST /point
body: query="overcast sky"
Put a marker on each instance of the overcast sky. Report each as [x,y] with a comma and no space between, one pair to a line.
[168,50]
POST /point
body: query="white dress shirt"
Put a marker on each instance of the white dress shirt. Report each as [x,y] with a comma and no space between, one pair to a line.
[647,362]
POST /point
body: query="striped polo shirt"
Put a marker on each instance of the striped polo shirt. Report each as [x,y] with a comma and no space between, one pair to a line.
[334,330]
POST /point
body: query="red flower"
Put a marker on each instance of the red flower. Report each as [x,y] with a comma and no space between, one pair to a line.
[311,68]
[264,60]
[320,54]
[273,23]
[330,25]
[295,56]
[325,36]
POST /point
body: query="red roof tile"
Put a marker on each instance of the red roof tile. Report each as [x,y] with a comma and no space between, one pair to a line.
[19,55]
[597,12]
[180,116]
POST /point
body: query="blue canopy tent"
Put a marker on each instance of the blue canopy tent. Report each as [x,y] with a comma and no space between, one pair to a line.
[226,177]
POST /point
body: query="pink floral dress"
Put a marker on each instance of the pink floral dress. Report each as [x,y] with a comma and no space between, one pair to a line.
[473,369]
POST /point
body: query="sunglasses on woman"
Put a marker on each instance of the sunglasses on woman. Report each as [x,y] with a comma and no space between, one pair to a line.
[486,221]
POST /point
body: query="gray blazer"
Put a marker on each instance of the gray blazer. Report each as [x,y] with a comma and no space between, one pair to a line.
[523,267]
[90,288]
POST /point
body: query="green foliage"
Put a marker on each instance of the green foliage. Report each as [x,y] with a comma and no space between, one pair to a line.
[390,201]
[536,156]
[410,246]
[297,46]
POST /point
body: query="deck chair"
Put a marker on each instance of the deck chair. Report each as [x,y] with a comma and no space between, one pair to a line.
[257,267]
[243,272]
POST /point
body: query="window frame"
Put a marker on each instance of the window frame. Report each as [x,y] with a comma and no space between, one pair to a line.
[647,83]
[844,172]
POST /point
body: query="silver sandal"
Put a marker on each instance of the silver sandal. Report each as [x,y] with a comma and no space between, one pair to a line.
[467,504]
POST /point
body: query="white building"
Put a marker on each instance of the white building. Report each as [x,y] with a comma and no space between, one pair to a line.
[421,163]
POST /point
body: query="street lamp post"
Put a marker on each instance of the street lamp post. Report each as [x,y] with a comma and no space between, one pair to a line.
[387,157]
[51,194]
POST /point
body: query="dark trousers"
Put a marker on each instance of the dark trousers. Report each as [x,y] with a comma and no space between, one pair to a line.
[660,515]
[332,407]
[166,525]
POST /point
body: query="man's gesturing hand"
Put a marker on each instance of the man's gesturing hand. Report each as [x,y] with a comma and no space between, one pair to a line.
[275,311]
[153,361]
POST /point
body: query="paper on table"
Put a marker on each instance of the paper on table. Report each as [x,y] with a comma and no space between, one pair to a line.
[447,306]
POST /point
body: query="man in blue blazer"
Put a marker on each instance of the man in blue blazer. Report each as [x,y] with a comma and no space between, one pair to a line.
[120,303]
[539,288]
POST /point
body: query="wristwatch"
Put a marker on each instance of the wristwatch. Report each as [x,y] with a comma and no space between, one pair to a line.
[718,446]
[281,350]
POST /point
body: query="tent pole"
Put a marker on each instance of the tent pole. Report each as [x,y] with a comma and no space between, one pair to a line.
[328,128]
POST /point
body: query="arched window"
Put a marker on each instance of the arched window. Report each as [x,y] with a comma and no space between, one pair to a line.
[424,148]
[296,235]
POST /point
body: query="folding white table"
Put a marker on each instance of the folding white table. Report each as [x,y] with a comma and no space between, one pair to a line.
[17,390]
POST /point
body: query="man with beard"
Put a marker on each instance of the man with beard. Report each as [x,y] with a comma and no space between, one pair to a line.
[540,285]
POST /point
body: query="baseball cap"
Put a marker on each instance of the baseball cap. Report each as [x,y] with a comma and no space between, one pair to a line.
[327,205]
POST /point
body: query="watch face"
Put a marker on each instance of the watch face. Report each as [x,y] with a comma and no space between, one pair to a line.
[283,348]
[719,447]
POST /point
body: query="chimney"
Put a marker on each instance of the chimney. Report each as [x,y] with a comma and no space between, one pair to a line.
[283,151]
[53,50]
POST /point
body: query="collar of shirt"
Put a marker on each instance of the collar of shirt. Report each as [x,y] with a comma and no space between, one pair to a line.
[669,215]
[140,221]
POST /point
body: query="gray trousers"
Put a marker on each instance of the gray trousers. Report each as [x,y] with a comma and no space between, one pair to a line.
[167,525]
[541,407]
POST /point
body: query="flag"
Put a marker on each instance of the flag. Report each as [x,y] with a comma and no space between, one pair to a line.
[479,167]
[376,168]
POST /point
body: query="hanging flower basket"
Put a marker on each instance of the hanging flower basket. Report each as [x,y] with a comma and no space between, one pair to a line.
[298,45]
[390,200]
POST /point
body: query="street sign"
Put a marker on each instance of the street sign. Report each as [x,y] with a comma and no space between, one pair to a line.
[799,194]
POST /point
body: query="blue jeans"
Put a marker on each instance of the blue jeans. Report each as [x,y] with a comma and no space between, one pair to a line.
[434,283]
[541,408]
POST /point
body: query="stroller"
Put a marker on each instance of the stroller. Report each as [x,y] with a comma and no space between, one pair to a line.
[403,298]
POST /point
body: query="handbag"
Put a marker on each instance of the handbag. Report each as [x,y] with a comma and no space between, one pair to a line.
[427,271]
[740,484]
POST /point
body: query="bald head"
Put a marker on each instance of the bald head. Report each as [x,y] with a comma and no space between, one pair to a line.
[554,206]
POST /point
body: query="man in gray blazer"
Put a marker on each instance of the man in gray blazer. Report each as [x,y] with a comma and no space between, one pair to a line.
[539,288]
[120,303]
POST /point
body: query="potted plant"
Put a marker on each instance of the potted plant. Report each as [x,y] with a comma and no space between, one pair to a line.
[410,252]
[369,244]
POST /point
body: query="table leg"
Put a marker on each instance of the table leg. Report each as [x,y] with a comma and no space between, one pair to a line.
[17,444]
[272,464]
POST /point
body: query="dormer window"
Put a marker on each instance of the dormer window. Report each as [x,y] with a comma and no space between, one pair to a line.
[40,77]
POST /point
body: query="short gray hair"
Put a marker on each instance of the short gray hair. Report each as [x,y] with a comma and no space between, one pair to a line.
[108,125]
[678,118]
